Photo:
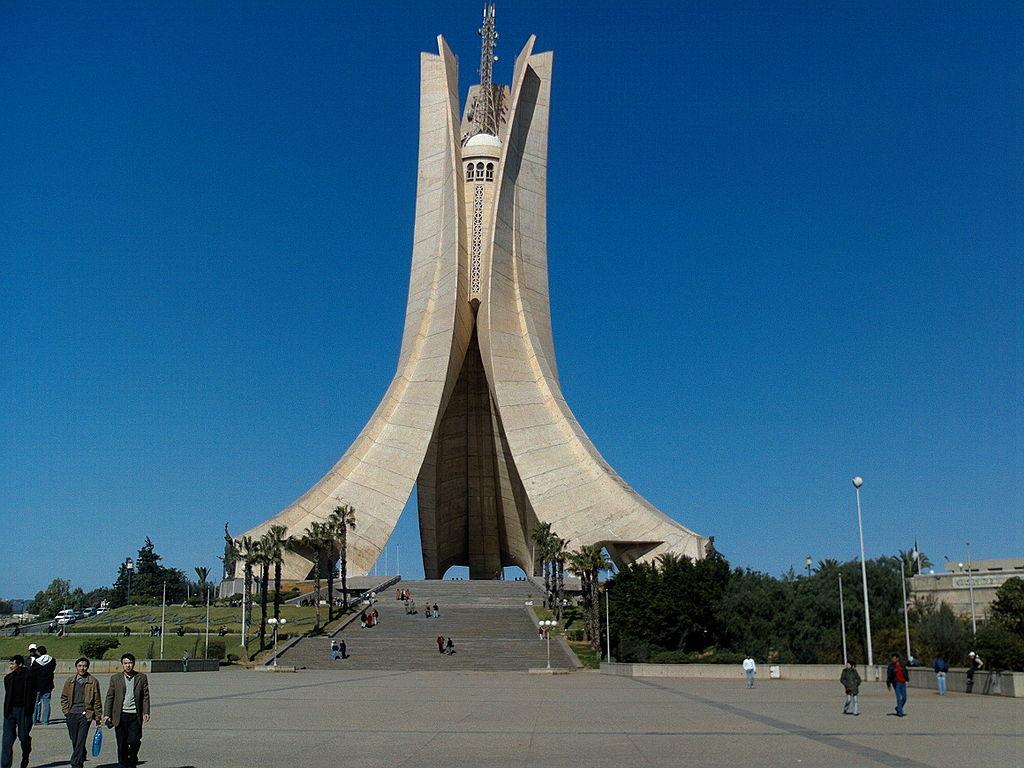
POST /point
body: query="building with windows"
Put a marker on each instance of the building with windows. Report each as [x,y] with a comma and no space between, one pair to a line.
[954,585]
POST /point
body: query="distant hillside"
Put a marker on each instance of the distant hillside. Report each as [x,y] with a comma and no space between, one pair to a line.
[17,603]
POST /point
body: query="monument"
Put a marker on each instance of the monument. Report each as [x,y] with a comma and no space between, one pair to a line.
[475,415]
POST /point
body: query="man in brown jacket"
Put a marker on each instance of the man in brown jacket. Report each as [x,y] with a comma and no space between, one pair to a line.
[81,703]
[127,708]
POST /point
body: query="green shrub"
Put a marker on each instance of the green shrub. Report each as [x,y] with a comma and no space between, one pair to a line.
[1000,647]
[634,650]
[95,647]
[217,650]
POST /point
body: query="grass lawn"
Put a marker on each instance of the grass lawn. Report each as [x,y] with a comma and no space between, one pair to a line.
[143,646]
[139,618]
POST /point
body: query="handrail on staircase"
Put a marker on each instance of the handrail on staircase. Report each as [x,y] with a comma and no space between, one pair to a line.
[361,595]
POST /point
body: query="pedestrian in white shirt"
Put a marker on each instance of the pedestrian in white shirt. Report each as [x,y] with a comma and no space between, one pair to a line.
[749,669]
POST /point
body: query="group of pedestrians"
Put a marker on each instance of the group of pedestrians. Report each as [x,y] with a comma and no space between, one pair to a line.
[339,650]
[897,676]
[445,646]
[369,618]
[27,689]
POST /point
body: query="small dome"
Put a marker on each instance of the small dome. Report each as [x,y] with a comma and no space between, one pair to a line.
[483,140]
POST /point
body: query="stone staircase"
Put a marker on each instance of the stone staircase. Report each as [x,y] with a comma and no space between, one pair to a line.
[487,620]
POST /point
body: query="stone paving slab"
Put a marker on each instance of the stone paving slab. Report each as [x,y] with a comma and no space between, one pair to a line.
[378,719]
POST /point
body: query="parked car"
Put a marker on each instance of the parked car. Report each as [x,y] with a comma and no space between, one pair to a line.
[67,616]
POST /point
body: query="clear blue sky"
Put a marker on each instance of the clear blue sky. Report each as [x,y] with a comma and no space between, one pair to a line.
[784,241]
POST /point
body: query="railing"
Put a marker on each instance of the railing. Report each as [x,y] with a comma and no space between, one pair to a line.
[358,596]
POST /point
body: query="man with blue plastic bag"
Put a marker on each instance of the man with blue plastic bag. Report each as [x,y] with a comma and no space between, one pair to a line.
[126,708]
[82,705]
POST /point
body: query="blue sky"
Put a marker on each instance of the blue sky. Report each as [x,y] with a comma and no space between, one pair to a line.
[784,244]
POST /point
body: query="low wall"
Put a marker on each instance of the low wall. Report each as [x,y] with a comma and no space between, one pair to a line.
[988,683]
[110,666]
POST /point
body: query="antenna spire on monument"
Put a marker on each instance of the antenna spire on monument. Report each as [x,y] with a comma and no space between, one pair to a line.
[487,109]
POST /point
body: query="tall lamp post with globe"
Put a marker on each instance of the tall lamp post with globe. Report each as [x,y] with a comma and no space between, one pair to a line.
[857,483]
[548,625]
[129,566]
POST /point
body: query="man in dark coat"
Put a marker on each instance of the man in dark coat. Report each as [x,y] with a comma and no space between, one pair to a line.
[127,708]
[42,672]
[19,703]
[850,679]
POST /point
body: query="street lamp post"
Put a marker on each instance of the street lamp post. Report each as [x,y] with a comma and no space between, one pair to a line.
[970,587]
[275,623]
[842,617]
[607,626]
[906,619]
[548,625]
[857,483]
[129,566]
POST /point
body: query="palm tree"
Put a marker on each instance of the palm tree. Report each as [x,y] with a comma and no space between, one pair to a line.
[249,551]
[274,546]
[264,587]
[202,574]
[340,520]
[587,562]
[542,537]
[319,539]
[828,565]
[908,558]
[577,563]
[556,551]
[539,535]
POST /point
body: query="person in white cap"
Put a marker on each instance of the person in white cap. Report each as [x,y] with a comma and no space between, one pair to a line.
[33,654]
[974,663]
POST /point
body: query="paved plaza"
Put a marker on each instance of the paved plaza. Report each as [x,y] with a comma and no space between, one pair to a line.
[375,718]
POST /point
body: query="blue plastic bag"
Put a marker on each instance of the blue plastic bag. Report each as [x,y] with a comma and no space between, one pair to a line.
[97,742]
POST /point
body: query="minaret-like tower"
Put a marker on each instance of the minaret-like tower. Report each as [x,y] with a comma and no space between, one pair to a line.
[475,415]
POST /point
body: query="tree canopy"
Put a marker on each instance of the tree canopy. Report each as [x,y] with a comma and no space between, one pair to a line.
[148,578]
[684,610]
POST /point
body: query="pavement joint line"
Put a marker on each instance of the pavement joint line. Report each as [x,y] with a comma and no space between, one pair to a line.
[249,694]
[870,753]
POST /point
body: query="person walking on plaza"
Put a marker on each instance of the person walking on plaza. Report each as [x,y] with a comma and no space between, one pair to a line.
[941,668]
[449,647]
[896,679]
[750,670]
[974,663]
[82,704]
[42,672]
[19,700]
[440,643]
[126,708]
[850,679]
[437,613]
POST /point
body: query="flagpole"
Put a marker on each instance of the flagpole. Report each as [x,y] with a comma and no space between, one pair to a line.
[842,617]
[163,615]
[207,622]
